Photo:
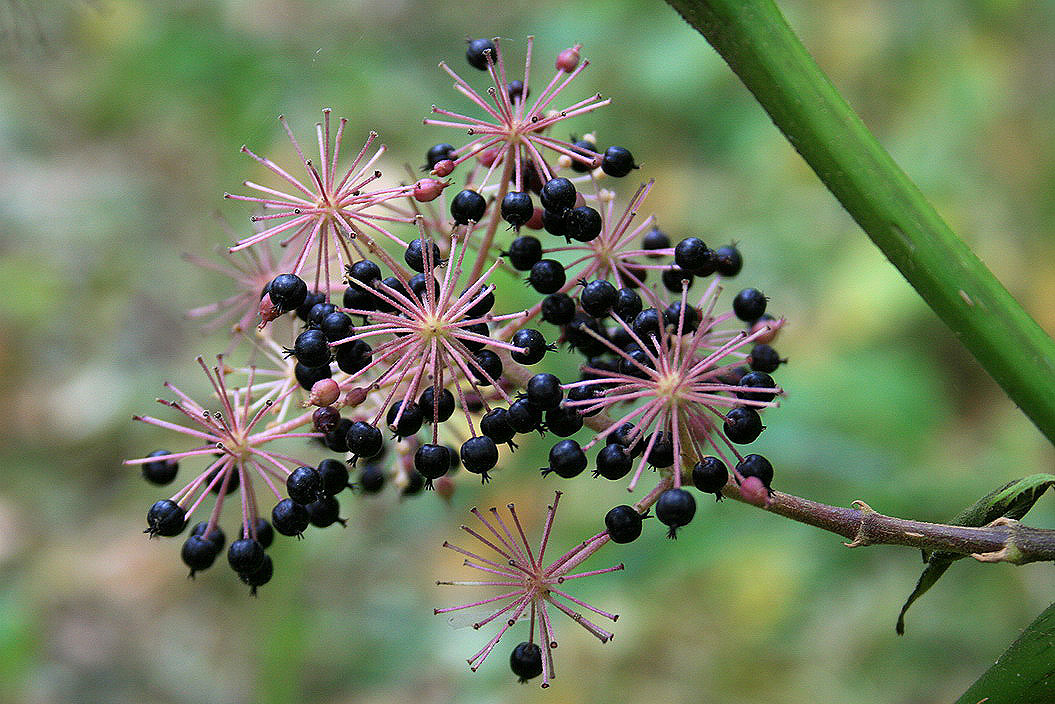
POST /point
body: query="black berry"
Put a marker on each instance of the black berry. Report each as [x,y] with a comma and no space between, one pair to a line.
[598,297]
[533,344]
[245,556]
[287,291]
[165,518]
[432,462]
[566,459]
[675,508]
[727,261]
[618,162]
[544,391]
[623,524]
[757,380]
[409,421]
[495,425]
[526,661]
[613,462]
[749,305]
[479,454]
[517,208]
[434,411]
[415,255]
[557,194]
[161,471]
[364,440]
[547,276]
[334,476]
[199,553]
[524,252]
[743,425]
[710,475]
[563,421]
[311,348]
[289,518]
[558,309]
[756,466]
[478,51]
[304,485]
[468,205]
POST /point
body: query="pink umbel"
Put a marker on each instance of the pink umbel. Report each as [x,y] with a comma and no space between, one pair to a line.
[531,588]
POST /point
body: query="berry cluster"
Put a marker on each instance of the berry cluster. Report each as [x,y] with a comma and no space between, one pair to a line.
[379,336]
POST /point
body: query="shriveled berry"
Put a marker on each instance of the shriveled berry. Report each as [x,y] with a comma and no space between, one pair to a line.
[325,419]
[334,476]
[544,391]
[613,462]
[558,309]
[166,518]
[434,411]
[566,459]
[623,524]
[160,471]
[324,392]
[618,162]
[727,261]
[364,440]
[756,466]
[289,517]
[533,345]
[710,475]
[749,305]
[547,276]
[478,51]
[675,508]
[525,252]
[467,206]
[743,425]
[517,208]
[245,556]
[558,194]
[526,661]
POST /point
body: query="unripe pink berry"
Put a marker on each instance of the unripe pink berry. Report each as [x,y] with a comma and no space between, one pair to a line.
[568,59]
[429,189]
[535,222]
[768,337]
[324,392]
[488,156]
[355,396]
[579,200]
[268,311]
[443,168]
[444,487]
[754,491]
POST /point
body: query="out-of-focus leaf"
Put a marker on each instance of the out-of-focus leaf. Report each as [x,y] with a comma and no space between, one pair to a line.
[1013,500]
[1024,672]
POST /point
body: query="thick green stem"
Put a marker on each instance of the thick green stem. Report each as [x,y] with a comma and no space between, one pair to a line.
[755,40]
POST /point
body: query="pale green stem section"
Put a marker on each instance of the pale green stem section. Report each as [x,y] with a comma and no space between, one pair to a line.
[755,40]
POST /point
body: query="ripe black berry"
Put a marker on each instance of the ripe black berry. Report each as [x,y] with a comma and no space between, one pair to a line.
[495,425]
[337,439]
[727,261]
[655,239]
[622,435]
[436,412]
[675,508]
[287,291]
[161,471]
[318,312]
[336,326]
[372,479]
[289,517]
[165,518]
[432,462]
[515,91]
[526,661]
[757,380]
[533,344]
[307,376]
[710,475]
[478,51]
[673,277]
[764,358]
[618,162]
[749,305]
[627,305]
[409,421]
[482,303]
[304,485]
[555,223]
[260,576]
[468,205]
[524,416]
[437,153]
[198,553]
[584,147]
[635,363]
[547,276]
[245,556]
[662,452]
[598,297]
[672,316]
[566,459]
[334,476]
[743,425]
[479,454]
[310,301]
[646,324]
[263,532]
[544,391]
[693,255]
[583,224]
[364,440]
[215,535]
[418,284]
[756,466]
[563,421]
[324,512]
[524,252]
[517,208]
[487,368]
[414,484]
[558,309]
[415,255]
[623,524]
[311,348]
[558,194]
[613,462]
[353,356]
[365,271]
[478,329]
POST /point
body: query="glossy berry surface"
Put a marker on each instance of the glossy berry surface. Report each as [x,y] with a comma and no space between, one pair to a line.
[478,51]
[756,466]
[693,255]
[749,305]
[304,485]
[495,425]
[583,224]
[334,476]
[558,309]
[728,261]
[563,421]
[467,206]
[245,555]
[525,252]
[289,518]
[287,291]
[757,380]
[598,297]
[566,459]
[544,391]
[674,509]
[364,440]
[743,425]
[524,416]
[547,276]
[311,348]
[764,358]
[410,419]
[438,410]
[623,524]
[478,455]
[557,194]
[517,208]
[161,471]
[324,512]
[166,518]
[533,345]
[613,462]
[260,576]
[526,661]
[432,461]
[198,553]
[415,256]
[437,153]
[710,475]
[618,162]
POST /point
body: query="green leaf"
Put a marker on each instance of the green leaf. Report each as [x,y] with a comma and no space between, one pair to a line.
[1024,672]
[1012,500]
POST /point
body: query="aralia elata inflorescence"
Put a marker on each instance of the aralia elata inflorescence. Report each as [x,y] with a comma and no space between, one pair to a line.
[368,326]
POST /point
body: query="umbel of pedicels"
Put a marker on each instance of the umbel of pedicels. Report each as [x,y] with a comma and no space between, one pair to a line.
[378,334]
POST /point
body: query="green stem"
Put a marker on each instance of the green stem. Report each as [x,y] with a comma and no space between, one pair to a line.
[755,40]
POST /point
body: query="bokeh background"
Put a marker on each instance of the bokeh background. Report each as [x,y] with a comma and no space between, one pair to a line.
[120,122]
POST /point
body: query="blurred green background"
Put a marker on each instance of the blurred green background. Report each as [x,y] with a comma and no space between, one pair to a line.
[120,124]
